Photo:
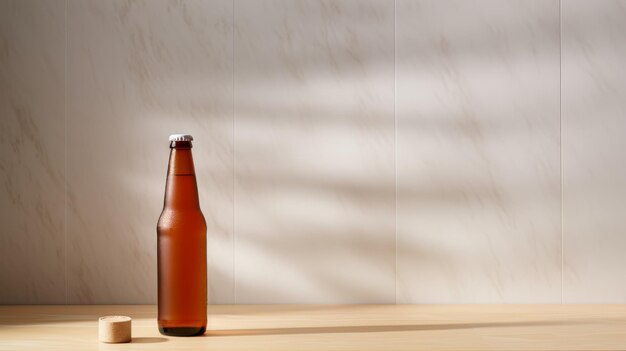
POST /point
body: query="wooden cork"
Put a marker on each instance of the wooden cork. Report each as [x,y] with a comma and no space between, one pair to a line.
[114,329]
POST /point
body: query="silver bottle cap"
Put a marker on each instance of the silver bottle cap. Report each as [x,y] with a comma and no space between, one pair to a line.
[181,137]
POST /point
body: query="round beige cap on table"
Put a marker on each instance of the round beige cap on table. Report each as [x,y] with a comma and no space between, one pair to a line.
[114,329]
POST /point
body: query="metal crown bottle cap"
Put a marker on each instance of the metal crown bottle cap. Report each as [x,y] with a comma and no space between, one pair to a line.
[181,137]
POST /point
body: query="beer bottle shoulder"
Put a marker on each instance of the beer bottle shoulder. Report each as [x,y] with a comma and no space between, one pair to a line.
[174,218]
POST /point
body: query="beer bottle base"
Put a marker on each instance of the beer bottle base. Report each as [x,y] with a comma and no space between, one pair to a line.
[182,331]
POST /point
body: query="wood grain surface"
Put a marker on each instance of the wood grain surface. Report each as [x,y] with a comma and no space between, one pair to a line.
[329,327]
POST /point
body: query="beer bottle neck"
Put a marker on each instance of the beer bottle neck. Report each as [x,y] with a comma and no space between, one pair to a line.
[181,161]
[181,190]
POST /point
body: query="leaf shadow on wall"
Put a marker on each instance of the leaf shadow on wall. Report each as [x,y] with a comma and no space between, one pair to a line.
[316,128]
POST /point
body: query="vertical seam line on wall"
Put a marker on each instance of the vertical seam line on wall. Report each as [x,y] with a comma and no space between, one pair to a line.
[395,150]
[561,140]
[234,285]
[65,154]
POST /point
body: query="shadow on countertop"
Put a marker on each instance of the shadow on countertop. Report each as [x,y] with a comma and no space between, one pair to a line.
[382,328]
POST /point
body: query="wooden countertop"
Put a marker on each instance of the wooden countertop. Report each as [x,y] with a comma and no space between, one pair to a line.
[343,327]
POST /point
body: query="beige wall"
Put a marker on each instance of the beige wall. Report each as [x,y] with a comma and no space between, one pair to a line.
[352,151]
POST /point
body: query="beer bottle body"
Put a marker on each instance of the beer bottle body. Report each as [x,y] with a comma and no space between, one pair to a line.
[181,250]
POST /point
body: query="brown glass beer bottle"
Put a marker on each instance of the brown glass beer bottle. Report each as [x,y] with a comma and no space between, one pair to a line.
[181,246]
